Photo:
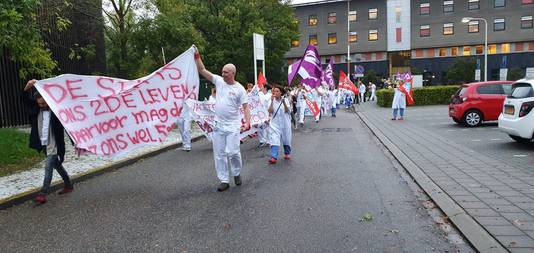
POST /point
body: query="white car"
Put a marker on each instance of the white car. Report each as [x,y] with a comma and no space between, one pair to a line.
[517,117]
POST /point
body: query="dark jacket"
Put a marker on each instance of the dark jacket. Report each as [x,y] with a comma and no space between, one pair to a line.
[55,125]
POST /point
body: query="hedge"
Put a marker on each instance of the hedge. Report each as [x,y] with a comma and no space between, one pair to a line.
[436,95]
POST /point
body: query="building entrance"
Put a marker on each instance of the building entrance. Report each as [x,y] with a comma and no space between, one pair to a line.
[399,62]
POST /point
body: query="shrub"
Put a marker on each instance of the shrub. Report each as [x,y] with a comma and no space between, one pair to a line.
[435,95]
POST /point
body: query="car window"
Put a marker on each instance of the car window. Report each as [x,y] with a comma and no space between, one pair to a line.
[462,91]
[522,90]
[507,89]
[490,89]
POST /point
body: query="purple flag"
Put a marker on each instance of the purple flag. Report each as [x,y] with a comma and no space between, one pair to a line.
[309,68]
[329,73]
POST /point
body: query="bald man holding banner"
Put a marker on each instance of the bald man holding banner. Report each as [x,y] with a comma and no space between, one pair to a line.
[230,96]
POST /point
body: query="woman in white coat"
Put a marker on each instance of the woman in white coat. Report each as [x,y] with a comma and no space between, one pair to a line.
[399,103]
[280,125]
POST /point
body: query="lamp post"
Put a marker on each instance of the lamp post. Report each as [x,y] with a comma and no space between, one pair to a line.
[348,42]
[467,20]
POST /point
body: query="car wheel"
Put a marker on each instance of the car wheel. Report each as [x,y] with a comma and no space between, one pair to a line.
[472,118]
[519,139]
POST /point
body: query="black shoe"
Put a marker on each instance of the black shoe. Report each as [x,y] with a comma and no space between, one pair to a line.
[223,187]
[237,180]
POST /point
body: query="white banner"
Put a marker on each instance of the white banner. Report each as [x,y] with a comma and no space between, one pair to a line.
[203,113]
[111,116]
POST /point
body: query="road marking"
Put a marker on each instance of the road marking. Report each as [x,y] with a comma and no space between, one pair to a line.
[475,140]
[465,129]
[520,155]
[451,130]
[496,139]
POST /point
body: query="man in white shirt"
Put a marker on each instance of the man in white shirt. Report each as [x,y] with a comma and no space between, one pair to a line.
[362,92]
[373,92]
[263,131]
[230,96]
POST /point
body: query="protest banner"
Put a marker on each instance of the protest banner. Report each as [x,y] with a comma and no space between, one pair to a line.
[111,116]
[204,114]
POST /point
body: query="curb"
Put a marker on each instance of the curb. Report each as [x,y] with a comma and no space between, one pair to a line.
[481,240]
[22,197]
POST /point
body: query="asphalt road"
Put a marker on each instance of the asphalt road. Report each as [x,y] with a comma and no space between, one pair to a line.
[339,173]
[486,139]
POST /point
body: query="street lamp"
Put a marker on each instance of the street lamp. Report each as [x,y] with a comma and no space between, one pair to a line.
[467,20]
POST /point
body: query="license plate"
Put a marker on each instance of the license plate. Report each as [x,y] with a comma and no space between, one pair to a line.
[508,109]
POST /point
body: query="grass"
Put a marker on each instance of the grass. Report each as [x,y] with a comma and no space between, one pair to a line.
[15,155]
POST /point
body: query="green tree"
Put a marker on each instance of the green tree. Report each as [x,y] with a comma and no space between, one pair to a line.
[22,33]
[461,71]
[516,74]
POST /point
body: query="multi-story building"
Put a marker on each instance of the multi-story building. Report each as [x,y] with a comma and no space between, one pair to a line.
[390,36]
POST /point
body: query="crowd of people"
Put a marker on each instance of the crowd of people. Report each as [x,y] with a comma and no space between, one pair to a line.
[287,108]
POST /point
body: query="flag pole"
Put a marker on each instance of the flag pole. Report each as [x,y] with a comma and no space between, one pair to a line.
[348,44]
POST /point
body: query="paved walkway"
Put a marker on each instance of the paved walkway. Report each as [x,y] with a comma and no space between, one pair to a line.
[499,196]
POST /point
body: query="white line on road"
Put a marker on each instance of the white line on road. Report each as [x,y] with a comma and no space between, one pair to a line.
[475,140]
[520,155]
[496,139]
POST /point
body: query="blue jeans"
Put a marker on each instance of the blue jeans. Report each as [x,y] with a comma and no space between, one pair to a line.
[274,151]
[395,112]
[333,112]
[52,162]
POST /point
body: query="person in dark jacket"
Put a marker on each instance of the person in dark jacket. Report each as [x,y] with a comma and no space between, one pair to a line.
[47,135]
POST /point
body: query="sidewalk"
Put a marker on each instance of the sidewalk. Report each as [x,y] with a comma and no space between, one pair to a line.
[24,184]
[497,196]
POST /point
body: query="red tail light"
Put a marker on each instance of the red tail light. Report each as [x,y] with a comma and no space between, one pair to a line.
[526,108]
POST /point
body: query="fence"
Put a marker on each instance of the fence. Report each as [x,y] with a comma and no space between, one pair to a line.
[86,29]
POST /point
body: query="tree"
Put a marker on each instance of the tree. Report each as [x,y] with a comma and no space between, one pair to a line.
[461,71]
[516,74]
[21,29]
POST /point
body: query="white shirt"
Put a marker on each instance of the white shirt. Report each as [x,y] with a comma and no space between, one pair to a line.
[229,99]
[362,88]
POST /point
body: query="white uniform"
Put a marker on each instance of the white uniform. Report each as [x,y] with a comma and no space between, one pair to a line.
[184,124]
[301,104]
[399,100]
[263,131]
[318,94]
[227,128]
[373,92]
[280,125]
[362,92]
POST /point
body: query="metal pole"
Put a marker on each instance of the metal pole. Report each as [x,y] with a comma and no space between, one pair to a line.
[348,43]
[485,50]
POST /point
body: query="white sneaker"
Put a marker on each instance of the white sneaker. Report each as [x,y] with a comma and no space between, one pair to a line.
[187,149]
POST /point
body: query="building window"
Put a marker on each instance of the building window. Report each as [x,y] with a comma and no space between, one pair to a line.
[442,52]
[398,14]
[373,13]
[332,38]
[505,48]
[526,22]
[448,6]
[312,20]
[424,31]
[448,29]
[454,51]
[527,1]
[473,27]
[331,18]
[353,16]
[313,40]
[498,24]
[353,37]
[473,5]
[424,9]
[492,49]
[479,49]
[499,3]
[295,43]
[373,35]
[467,51]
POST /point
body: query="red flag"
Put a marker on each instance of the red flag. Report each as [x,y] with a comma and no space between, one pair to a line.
[312,105]
[261,80]
[407,90]
[345,83]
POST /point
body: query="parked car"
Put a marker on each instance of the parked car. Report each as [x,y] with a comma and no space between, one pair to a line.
[474,103]
[516,118]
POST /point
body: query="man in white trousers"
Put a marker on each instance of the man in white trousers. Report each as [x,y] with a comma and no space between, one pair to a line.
[184,124]
[373,92]
[225,139]
[362,92]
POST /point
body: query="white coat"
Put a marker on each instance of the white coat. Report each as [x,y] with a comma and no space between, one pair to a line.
[280,125]
[399,100]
